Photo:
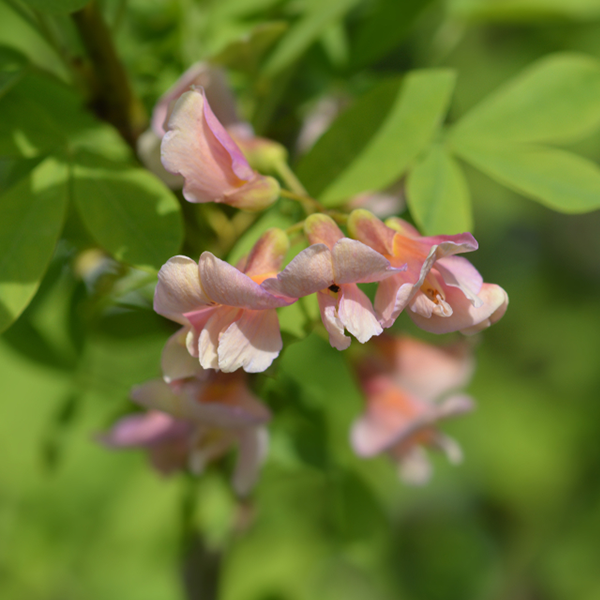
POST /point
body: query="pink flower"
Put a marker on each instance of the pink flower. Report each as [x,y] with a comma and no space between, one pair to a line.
[332,266]
[229,319]
[195,422]
[214,168]
[402,380]
[444,292]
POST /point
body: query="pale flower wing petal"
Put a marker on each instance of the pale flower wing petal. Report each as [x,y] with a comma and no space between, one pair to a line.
[156,394]
[310,271]
[176,361]
[266,257]
[230,287]
[355,262]
[391,299]
[251,342]
[329,315]
[210,336]
[321,229]
[459,272]
[356,313]
[252,451]
[178,290]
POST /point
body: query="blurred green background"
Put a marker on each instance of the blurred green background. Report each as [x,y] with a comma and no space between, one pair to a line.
[519,520]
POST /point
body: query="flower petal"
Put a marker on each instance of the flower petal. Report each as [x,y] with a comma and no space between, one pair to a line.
[310,271]
[252,342]
[228,286]
[179,290]
[266,257]
[329,315]
[252,451]
[465,317]
[176,361]
[356,313]
[193,147]
[157,395]
[208,342]
[391,298]
[459,272]
[322,229]
[366,227]
[414,466]
[257,194]
[355,262]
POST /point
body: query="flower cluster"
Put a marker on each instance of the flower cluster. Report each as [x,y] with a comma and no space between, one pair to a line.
[228,313]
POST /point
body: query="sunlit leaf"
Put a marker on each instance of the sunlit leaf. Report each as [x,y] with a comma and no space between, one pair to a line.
[129,212]
[560,180]
[524,10]
[348,135]
[554,100]
[31,217]
[410,126]
[438,195]
[305,32]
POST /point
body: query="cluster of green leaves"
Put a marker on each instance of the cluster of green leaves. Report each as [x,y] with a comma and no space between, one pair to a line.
[397,130]
[56,157]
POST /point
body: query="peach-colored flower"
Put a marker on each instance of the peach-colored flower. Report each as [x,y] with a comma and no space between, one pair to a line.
[194,422]
[197,147]
[332,266]
[444,292]
[229,319]
[403,379]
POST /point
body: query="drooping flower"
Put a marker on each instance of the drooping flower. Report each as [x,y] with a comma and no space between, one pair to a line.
[229,318]
[444,292]
[332,266]
[194,422]
[403,380]
[197,147]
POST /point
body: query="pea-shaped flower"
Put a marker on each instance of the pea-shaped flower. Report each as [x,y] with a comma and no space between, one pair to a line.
[331,267]
[197,147]
[444,292]
[229,319]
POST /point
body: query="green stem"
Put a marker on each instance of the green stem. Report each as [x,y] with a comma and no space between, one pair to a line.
[295,228]
[290,179]
[112,97]
[310,205]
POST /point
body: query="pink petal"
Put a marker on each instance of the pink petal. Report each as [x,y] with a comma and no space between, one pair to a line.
[252,342]
[356,313]
[178,290]
[354,262]
[266,256]
[157,395]
[216,88]
[208,342]
[176,361]
[333,324]
[391,299]
[459,272]
[310,271]
[190,148]
[428,371]
[226,285]
[414,466]
[253,447]
[259,193]
[366,227]
[321,229]
[144,429]
[465,317]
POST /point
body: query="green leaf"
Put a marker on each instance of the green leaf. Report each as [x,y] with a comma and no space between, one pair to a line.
[38,116]
[348,135]
[305,32]
[524,10]
[31,217]
[246,53]
[12,68]
[383,29]
[57,6]
[410,126]
[554,100]
[560,180]
[129,212]
[438,195]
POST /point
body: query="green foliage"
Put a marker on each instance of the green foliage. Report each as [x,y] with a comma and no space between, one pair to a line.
[409,127]
[438,194]
[554,100]
[319,16]
[128,211]
[33,211]
[57,6]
